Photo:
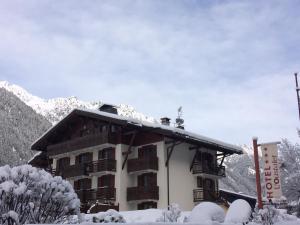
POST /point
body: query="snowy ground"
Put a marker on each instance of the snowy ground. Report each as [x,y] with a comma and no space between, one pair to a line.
[146,216]
[143,216]
[149,217]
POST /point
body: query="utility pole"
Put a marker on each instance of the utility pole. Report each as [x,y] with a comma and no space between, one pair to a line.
[297,90]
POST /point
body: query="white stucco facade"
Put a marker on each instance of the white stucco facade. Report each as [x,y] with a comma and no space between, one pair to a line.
[181,180]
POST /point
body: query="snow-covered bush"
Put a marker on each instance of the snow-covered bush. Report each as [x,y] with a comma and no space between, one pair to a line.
[110,216]
[171,214]
[266,216]
[270,215]
[206,212]
[31,195]
[238,212]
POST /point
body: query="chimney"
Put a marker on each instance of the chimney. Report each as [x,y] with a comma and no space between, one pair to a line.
[109,108]
[165,121]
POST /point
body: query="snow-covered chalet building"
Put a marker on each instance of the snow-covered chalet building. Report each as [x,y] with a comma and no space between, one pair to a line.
[127,164]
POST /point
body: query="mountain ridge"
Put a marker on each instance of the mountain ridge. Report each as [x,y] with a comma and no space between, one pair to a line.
[55,109]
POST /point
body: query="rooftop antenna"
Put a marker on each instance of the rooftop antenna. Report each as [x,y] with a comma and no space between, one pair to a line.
[297,90]
[179,120]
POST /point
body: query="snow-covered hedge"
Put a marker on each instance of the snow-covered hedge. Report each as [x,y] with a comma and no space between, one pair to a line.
[238,212]
[110,216]
[206,212]
[31,195]
[171,214]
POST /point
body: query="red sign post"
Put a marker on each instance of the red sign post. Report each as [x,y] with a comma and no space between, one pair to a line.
[257,173]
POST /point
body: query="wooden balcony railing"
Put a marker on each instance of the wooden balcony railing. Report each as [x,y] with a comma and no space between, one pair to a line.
[104,193]
[81,142]
[140,164]
[142,193]
[102,165]
[199,168]
[71,171]
[201,194]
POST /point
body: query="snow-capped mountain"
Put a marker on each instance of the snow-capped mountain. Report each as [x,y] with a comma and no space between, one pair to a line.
[21,126]
[55,109]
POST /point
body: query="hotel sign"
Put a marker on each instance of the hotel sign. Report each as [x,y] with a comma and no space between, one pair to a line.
[271,170]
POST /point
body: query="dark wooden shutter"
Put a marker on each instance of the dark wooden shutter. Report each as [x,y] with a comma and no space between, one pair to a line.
[152,179]
[100,182]
[112,153]
[63,162]
[87,183]
[199,182]
[141,180]
[76,185]
[112,180]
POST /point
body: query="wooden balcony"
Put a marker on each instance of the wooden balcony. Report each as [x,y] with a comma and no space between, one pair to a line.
[100,194]
[142,193]
[201,194]
[76,170]
[142,164]
[102,165]
[81,142]
[217,171]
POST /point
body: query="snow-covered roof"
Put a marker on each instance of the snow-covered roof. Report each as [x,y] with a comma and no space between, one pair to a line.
[157,127]
[238,193]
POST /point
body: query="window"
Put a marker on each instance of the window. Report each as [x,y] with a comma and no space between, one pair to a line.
[148,151]
[147,205]
[147,180]
[107,153]
[199,182]
[83,184]
[84,158]
[106,181]
[63,162]
[209,184]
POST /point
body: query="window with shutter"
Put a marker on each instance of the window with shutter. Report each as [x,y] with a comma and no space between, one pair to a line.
[199,182]
[148,151]
[106,181]
[147,180]
[147,205]
[107,153]
[209,184]
[63,163]
[84,158]
[83,184]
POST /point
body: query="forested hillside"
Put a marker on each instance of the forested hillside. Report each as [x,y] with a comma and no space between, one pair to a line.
[20,125]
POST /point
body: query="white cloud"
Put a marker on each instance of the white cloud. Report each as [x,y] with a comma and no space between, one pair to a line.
[229,64]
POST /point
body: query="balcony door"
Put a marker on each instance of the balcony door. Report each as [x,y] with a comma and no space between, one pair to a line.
[83,184]
[147,205]
[147,180]
[84,158]
[148,151]
[63,163]
[107,153]
[106,181]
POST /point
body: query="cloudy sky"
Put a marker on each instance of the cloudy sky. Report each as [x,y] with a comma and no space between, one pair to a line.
[230,64]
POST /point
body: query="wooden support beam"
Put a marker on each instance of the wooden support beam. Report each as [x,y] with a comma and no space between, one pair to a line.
[170,151]
[222,160]
[194,159]
[129,149]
